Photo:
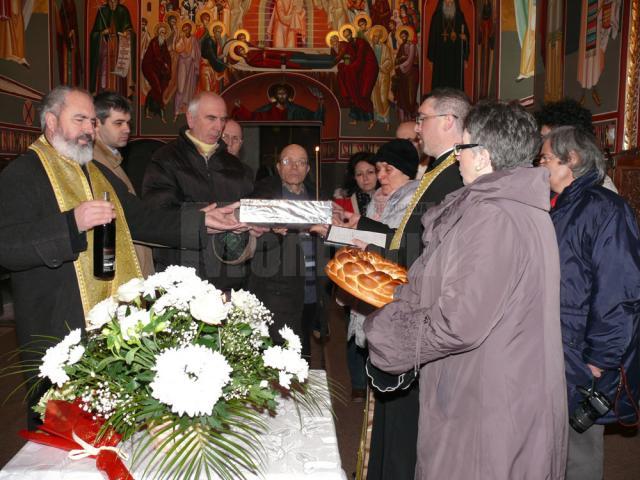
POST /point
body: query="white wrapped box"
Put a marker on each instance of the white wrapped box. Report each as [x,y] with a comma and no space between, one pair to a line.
[285,212]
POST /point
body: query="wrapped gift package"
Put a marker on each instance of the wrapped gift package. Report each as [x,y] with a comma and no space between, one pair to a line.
[285,213]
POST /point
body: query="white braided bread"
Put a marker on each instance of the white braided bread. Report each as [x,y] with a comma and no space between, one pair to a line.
[366,275]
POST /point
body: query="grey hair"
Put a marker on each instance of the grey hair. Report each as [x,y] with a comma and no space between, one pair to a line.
[452,101]
[53,102]
[192,108]
[507,131]
[567,139]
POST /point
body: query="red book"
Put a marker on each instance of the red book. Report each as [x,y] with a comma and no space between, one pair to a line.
[345,203]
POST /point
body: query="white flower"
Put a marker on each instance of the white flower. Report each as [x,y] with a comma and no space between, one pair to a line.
[264,384]
[190,379]
[284,379]
[178,295]
[65,353]
[132,324]
[293,341]
[165,281]
[244,300]
[75,354]
[129,291]
[102,313]
[209,308]
[286,361]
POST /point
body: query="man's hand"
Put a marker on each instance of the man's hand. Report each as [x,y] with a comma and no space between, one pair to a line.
[92,213]
[346,219]
[222,219]
[256,231]
[360,244]
[280,231]
[595,371]
[320,229]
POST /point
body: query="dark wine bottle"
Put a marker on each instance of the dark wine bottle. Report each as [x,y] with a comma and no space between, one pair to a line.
[104,249]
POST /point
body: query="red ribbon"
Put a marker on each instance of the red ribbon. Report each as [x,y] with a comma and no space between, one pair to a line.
[63,419]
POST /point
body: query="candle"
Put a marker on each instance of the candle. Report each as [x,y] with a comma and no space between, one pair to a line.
[317,149]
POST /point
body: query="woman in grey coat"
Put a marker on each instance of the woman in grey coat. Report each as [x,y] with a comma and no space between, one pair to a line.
[480,315]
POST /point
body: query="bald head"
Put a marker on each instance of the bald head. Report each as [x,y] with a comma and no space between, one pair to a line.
[407,131]
[206,117]
[293,166]
[232,136]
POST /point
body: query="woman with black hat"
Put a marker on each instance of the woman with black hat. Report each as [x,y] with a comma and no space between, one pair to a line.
[396,166]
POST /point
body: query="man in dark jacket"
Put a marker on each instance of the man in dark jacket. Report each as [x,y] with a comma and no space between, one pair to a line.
[196,167]
[287,266]
[599,247]
[48,209]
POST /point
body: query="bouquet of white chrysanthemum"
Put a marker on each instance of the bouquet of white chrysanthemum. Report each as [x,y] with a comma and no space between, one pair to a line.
[168,355]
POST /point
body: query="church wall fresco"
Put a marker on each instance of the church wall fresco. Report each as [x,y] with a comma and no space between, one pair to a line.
[24,74]
[365,62]
[449,45]
[593,54]
[517,50]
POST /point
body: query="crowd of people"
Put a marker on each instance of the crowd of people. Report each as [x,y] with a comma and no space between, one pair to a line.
[516,339]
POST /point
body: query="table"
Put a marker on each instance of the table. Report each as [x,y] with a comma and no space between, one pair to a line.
[293,452]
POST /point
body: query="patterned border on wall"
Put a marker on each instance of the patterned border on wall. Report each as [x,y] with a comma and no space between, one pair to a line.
[348,148]
[632,101]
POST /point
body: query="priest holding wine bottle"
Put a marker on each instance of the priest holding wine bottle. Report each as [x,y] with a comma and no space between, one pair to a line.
[48,215]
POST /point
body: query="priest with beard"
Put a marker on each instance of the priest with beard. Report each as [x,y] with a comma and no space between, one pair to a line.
[156,68]
[448,49]
[49,206]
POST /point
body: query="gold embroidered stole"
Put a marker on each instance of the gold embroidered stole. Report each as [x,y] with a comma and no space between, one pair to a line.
[71,187]
[427,180]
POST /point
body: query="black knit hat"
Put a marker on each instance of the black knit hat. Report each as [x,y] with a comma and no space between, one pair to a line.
[400,153]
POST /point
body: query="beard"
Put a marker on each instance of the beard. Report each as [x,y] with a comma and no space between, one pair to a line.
[81,154]
[449,11]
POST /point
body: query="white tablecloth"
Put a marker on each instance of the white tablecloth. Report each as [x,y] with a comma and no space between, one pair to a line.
[293,452]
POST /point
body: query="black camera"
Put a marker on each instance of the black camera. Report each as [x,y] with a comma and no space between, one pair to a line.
[592,407]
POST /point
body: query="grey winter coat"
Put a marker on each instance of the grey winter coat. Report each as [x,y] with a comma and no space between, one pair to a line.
[480,316]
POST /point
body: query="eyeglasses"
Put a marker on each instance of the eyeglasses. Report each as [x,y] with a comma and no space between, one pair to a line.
[545,158]
[458,147]
[423,116]
[297,163]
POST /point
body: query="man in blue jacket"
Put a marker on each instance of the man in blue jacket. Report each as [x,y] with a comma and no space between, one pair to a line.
[599,247]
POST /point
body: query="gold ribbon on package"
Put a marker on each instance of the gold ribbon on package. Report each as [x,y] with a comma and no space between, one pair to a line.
[427,180]
[71,187]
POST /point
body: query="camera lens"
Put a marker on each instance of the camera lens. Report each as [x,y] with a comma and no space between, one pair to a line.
[582,418]
[594,406]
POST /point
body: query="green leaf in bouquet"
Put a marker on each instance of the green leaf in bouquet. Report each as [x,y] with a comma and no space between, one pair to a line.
[209,341]
[145,376]
[105,362]
[129,357]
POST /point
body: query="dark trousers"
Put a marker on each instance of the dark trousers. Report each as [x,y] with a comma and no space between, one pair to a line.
[394,436]
[585,458]
[356,361]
